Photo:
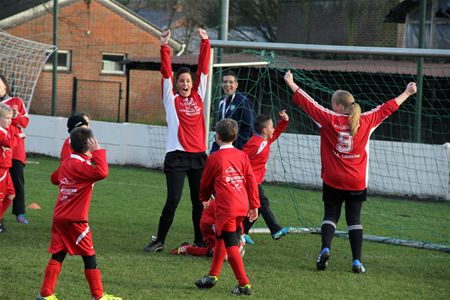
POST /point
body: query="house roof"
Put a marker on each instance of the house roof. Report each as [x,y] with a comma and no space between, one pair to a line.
[398,13]
[16,12]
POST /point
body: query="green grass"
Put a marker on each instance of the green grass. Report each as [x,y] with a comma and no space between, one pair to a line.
[125,210]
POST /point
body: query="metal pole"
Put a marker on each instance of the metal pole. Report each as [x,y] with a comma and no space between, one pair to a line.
[55,56]
[74,95]
[207,101]
[389,51]
[127,91]
[418,113]
[223,33]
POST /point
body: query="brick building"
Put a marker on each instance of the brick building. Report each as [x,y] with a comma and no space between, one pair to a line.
[94,38]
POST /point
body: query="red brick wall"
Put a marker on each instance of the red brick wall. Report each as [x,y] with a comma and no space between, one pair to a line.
[108,33]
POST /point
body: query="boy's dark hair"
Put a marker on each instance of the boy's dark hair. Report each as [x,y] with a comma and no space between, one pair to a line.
[78,139]
[5,82]
[229,73]
[261,123]
[227,129]
[182,70]
[76,120]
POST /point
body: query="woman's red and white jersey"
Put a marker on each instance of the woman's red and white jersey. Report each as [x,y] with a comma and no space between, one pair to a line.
[258,150]
[229,174]
[18,123]
[344,157]
[7,143]
[184,116]
[66,150]
[76,177]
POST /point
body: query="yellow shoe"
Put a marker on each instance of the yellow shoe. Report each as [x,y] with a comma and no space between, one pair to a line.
[108,297]
[51,297]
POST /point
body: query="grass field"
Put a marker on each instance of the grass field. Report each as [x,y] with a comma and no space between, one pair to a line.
[125,210]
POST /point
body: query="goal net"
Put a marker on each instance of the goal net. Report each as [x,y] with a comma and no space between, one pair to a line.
[21,62]
[408,159]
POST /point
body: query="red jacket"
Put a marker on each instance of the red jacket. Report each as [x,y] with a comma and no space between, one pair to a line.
[258,150]
[344,157]
[76,177]
[229,174]
[184,116]
[66,150]
[7,142]
[18,123]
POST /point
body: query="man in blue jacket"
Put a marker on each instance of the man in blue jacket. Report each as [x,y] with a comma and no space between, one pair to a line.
[237,107]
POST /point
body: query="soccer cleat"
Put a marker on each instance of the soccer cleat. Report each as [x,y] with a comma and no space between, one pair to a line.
[358,267]
[2,226]
[322,260]
[248,240]
[106,296]
[51,297]
[154,246]
[206,282]
[183,249]
[282,232]
[242,290]
[22,219]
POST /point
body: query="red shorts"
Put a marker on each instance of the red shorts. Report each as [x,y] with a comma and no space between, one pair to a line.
[6,184]
[74,238]
[230,224]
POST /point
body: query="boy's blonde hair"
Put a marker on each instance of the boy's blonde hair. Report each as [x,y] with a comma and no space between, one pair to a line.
[346,99]
[5,109]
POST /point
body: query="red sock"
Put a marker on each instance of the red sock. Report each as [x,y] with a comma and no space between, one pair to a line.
[50,277]
[237,264]
[94,279]
[4,206]
[218,258]
[197,251]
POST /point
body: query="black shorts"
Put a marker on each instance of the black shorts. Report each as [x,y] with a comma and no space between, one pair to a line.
[332,195]
[180,161]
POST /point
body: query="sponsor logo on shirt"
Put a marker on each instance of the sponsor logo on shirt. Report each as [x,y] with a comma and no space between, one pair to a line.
[190,107]
[234,177]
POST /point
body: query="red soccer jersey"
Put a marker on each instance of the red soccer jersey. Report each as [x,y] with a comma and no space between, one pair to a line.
[76,177]
[344,158]
[7,143]
[258,150]
[229,174]
[18,123]
[184,116]
[66,150]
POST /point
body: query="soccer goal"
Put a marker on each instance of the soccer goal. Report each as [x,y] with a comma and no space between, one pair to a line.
[21,62]
[409,152]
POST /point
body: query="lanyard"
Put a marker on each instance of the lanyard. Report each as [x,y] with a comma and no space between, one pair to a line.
[224,111]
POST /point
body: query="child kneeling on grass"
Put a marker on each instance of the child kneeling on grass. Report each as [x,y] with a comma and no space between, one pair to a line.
[229,174]
[208,229]
[70,230]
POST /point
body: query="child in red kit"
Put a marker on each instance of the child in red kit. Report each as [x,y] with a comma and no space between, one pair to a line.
[258,150]
[208,228]
[70,230]
[228,173]
[7,141]
[76,120]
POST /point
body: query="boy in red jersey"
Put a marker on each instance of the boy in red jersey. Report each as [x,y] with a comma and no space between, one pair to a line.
[229,174]
[258,150]
[19,122]
[70,230]
[344,144]
[208,228]
[186,137]
[76,120]
[7,141]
